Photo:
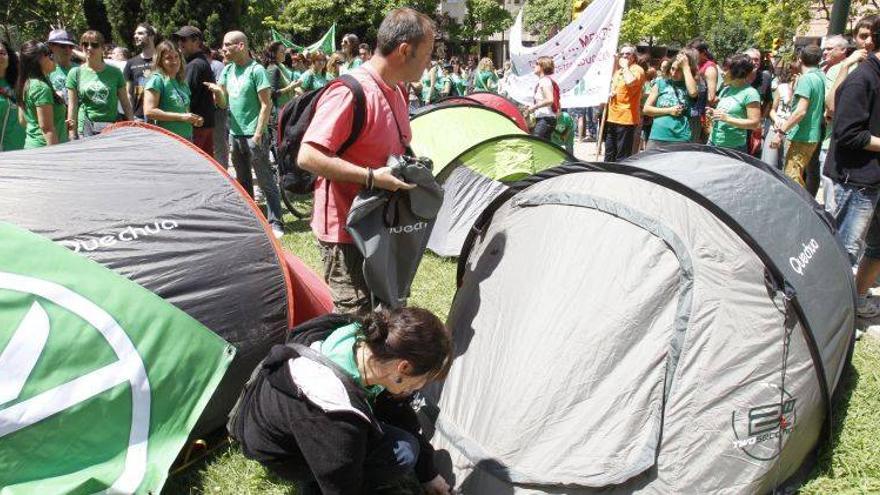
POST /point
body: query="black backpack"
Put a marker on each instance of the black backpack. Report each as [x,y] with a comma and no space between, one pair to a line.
[321,324]
[293,122]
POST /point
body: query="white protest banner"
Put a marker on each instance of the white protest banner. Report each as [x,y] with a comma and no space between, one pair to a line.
[583,54]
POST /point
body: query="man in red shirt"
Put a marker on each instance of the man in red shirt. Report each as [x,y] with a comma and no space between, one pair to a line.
[404,45]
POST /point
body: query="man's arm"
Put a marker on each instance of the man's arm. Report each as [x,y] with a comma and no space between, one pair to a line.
[796,116]
[265,95]
[845,66]
[711,76]
[321,162]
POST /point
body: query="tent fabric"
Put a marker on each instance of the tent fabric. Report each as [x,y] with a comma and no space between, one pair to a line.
[659,307]
[311,296]
[444,132]
[509,158]
[154,208]
[812,277]
[502,104]
[478,175]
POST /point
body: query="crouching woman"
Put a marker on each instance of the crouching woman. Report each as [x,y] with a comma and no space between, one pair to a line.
[330,411]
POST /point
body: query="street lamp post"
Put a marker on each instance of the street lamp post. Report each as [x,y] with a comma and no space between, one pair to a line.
[839,15]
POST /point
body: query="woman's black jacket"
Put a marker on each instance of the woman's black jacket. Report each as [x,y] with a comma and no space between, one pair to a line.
[300,435]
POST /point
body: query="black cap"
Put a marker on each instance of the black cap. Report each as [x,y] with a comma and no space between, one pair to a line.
[188,32]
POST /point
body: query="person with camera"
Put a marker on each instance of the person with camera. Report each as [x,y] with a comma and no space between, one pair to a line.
[671,99]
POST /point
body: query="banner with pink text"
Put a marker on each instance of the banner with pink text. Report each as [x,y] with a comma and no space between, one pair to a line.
[583,55]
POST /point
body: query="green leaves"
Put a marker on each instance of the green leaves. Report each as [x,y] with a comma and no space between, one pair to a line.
[728,25]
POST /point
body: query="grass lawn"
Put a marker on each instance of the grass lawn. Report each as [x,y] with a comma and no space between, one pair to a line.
[850,463]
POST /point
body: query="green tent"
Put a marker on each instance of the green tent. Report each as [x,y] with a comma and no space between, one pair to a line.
[478,151]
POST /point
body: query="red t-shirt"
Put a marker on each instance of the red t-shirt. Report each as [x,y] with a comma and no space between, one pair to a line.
[379,139]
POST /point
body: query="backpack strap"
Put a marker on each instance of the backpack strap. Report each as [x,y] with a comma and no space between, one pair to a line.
[360,111]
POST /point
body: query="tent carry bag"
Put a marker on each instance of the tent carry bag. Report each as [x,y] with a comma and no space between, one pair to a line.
[293,122]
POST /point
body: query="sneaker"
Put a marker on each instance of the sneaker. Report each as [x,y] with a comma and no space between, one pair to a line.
[868,307]
[279,233]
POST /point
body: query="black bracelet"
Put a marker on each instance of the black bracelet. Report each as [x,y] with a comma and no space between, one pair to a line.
[370,179]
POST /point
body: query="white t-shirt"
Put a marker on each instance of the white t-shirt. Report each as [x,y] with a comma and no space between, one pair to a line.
[545,111]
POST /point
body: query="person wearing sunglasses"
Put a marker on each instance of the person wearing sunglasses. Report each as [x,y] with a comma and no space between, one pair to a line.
[671,99]
[62,44]
[350,57]
[95,89]
[623,115]
[42,107]
[11,130]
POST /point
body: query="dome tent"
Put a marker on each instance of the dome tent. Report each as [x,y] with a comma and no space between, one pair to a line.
[685,347]
[155,209]
[478,152]
[502,104]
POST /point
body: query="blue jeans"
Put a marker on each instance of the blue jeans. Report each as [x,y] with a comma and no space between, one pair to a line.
[394,456]
[854,207]
[246,154]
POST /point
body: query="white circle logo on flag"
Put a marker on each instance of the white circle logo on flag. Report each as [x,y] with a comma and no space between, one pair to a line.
[18,358]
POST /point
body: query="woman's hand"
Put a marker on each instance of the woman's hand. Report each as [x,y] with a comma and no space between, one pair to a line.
[719,115]
[195,120]
[437,486]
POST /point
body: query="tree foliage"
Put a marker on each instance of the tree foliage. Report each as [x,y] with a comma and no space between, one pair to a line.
[307,20]
[729,25]
[542,19]
[21,20]
[482,19]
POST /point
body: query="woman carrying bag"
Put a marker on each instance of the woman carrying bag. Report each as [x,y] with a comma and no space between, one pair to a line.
[95,89]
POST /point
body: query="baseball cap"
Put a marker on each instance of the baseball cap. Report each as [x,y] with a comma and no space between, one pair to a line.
[61,37]
[188,32]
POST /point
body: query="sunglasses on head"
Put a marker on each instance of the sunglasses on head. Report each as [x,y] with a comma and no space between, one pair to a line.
[90,44]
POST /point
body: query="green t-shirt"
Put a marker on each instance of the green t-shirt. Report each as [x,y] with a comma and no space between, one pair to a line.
[667,127]
[482,81]
[440,84]
[459,84]
[563,133]
[339,348]
[243,85]
[311,81]
[98,92]
[351,65]
[281,77]
[175,97]
[734,101]
[58,78]
[12,133]
[426,85]
[811,85]
[38,94]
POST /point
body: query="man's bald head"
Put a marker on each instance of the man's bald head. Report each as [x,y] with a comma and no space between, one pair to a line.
[235,37]
[235,47]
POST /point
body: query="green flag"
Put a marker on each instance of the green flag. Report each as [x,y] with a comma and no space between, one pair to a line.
[101,380]
[326,44]
[276,36]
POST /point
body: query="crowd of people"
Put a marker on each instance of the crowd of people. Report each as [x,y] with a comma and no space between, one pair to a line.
[820,112]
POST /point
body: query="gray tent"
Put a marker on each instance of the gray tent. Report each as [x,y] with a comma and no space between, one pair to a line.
[479,151]
[673,324]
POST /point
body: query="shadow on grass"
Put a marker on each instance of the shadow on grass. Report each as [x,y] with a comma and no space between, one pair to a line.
[195,477]
[840,409]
